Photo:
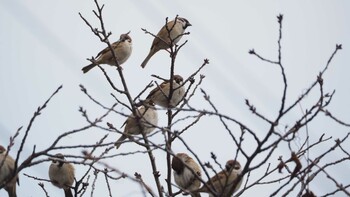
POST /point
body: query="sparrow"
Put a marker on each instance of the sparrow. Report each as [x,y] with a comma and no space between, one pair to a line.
[122,49]
[183,176]
[162,40]
[148,119]
[159,95]
[61,174]
[222,182]
[6,172]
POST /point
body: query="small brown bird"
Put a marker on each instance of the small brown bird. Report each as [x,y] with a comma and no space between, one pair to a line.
[122,49]
[162,40]
[6,172]
[61,174]
[183,176]
[148,120]
[222,182]
[160,94]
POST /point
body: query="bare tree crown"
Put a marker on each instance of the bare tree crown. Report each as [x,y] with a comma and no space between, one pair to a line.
[172,96]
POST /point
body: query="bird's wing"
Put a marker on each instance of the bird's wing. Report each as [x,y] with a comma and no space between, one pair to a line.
[106,50]
[156,89]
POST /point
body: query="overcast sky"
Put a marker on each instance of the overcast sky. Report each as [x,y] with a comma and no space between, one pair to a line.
[44,44]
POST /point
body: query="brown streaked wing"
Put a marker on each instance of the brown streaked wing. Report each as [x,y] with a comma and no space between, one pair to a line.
[105,50]
[162,85]
[220,175]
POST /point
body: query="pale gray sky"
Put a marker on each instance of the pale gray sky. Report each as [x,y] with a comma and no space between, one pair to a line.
[45,44]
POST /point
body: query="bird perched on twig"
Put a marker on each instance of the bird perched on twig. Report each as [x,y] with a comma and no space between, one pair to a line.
[161,93]
[7,167]
[164,39]
[147,121]
[222,183]
[61,174]
[122,49]
[184,177]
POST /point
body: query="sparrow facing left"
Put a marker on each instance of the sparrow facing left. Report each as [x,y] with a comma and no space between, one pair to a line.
[223,181]
[160,94]
[183,176]
[61,174]
[122,49]
[6,172]
[162,41]
[148,121]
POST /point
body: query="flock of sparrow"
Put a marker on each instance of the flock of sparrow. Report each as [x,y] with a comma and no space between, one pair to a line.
[187,173]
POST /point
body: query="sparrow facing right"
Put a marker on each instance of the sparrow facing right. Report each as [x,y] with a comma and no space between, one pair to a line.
[122,49]
[61,174]
[162,40]
[223,181]
[148,121]
[6,171]
[183,176]
[160,94]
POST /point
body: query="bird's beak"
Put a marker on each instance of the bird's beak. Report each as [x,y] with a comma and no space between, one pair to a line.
[128,33]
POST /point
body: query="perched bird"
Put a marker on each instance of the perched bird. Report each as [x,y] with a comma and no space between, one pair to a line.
[162,41]
[122,49]
[6,172]
[184,177]
[61,174]
[159,95]
[148,119]
[222,183]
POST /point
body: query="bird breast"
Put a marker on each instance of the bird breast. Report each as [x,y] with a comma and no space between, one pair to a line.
[160,99]
[7,167]
[176,32]
[186,180]
[149,117]
[124,52]
[61,177]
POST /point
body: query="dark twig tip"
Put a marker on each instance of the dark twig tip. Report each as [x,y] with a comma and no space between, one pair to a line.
[110,125]
[208,165]
[82,88]
[338,141]
[339,46]
[321,138]
[280,18]
[137,175]
[251,51]
[320,79]
[213,156]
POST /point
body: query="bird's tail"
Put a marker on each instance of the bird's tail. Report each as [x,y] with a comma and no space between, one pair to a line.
[144,63]
[88,67]
[11,190]
[68,192]
[119,141]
